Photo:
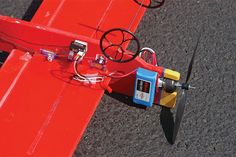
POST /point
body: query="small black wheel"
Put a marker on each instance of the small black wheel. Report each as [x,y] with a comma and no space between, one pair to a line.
[150,3]
[114,42]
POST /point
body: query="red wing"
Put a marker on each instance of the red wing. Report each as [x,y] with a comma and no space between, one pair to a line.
[89,17]
[42,111]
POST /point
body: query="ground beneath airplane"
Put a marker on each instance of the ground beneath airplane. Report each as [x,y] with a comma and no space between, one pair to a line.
[209,124]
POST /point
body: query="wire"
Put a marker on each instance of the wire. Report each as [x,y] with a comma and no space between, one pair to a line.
[135,16]
[83,78]
[89,80]
[102,18]
[111,75]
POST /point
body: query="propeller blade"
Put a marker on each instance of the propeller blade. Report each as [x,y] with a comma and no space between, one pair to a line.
[193,56]
[179,115]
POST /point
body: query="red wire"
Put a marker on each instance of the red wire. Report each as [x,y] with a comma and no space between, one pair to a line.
[121,76]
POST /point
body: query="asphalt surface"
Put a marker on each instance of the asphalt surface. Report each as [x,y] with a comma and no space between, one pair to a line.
[209,123]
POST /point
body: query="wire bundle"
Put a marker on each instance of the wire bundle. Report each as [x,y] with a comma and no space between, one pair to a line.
[82,78]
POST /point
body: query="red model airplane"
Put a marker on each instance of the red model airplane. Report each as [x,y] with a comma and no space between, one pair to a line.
[61,62]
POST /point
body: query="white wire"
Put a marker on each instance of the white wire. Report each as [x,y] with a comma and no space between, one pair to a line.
[92,79]
[87,81]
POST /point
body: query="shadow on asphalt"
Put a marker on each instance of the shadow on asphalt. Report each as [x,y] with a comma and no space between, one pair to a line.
[125,99]
[166,116]
[167,123]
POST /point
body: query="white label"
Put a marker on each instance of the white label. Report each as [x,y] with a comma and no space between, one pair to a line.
[143,90]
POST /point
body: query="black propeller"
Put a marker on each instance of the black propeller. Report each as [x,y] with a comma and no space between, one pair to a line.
[183,96]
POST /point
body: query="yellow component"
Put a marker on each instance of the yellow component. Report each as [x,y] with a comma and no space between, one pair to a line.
[170,74]
[168,99]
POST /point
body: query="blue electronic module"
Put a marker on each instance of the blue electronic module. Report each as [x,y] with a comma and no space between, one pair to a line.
[145,85]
